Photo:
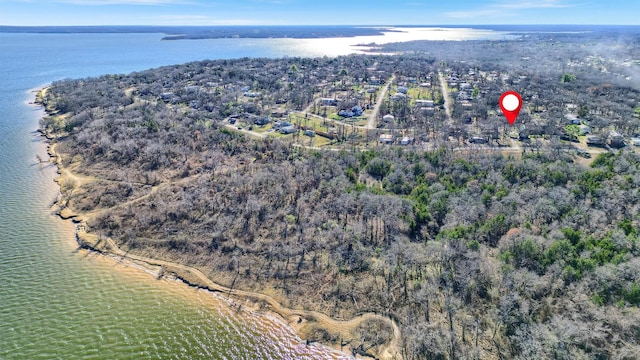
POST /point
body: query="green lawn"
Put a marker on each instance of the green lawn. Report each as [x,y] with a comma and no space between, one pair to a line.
[262,129]
[420,93]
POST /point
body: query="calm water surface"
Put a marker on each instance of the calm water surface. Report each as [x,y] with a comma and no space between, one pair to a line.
[59,303]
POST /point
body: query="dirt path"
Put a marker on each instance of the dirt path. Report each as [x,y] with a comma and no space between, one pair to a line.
[66,174]
[195,277]
[308,108]
[376,109]
[243,130]
[154,190]
[445,96]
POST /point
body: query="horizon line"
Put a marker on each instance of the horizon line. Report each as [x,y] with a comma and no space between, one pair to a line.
[302,25]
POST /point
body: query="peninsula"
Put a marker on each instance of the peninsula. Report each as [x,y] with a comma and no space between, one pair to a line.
[378,203]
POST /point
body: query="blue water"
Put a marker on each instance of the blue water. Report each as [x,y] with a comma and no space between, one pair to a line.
[59,303]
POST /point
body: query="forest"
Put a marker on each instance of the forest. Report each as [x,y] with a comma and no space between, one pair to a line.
[474,254]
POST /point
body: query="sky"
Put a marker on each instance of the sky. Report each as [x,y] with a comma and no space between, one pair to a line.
[315,12]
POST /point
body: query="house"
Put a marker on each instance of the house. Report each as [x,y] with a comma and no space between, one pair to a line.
[403,89]
[355,111]
[584,129]
[573,120]
[399,96]
[424,103]
[386,139]
[345,113]
[407,140]
[425,85]
[167,96]
[310,133]
[615,140]
[593,140]
[477,140]
[262,120]
[279,113]
[252,94]
[279,125]
[635,141]
[288,129]
[388,118]
[328,102]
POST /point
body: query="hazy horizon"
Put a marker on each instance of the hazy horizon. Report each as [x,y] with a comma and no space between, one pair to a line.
[301,13]
[374,26]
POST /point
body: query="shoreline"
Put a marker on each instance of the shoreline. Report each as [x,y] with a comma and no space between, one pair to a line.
[243,308]
[302,322]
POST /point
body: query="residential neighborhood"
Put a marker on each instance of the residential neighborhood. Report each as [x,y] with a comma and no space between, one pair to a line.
[433,103]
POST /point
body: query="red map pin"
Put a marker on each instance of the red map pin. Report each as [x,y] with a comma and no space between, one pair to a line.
[511,103]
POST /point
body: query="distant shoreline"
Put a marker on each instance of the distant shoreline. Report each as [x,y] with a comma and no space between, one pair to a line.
[211,32]
[291,31]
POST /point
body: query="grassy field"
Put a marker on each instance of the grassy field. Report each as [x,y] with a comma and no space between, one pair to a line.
[419,93]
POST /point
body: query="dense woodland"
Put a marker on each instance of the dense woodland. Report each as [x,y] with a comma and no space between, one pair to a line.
[474,254]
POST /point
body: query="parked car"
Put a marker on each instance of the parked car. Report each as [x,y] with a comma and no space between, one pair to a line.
[583,153]
[477,140]
[567,137]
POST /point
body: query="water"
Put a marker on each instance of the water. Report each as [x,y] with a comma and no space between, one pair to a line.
[59,303]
